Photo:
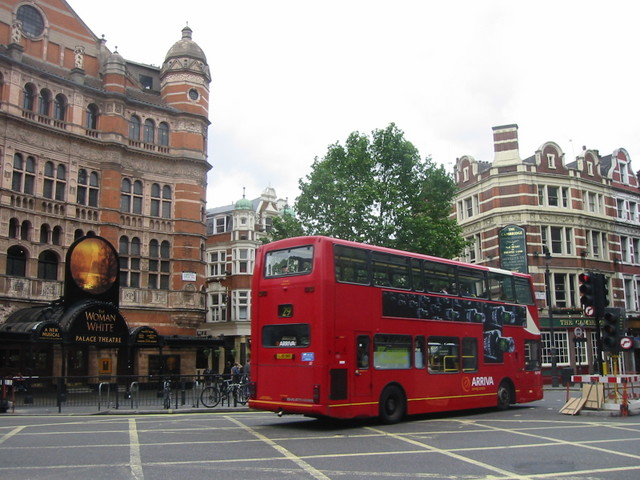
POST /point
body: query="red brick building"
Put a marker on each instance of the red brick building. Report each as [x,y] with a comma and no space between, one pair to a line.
[577,215]
[94,143]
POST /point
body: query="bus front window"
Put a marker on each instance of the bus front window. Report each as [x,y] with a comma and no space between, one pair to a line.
[288,262]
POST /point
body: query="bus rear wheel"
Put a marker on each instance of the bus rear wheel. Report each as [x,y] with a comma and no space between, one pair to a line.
[393,405]
[504,396]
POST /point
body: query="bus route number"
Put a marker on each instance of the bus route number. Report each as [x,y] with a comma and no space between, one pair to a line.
[285,310]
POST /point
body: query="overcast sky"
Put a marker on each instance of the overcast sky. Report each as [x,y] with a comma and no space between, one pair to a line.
[291,77]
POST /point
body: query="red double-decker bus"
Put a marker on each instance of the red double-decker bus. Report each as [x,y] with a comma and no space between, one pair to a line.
[344,330]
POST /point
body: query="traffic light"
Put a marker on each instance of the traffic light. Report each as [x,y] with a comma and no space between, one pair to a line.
[601,300]
[612,329]
[593,293]
[587,293]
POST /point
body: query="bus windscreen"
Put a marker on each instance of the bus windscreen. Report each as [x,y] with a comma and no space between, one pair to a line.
[288,262]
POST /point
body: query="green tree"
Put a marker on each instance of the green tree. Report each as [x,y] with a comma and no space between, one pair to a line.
[377,190]
[285,225]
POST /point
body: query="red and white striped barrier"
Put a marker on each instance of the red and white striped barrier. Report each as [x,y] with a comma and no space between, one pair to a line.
[605,378]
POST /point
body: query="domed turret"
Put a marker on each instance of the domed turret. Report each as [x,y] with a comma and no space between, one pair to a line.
[186,54]
[243,204]
[184,85]
[115,73]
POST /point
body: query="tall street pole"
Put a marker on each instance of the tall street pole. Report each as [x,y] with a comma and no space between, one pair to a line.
[552,343]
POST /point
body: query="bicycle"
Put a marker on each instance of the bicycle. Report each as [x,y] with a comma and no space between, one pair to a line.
[225,389]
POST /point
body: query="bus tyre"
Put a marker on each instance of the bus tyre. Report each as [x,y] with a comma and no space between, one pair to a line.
[393,405]
[504,396]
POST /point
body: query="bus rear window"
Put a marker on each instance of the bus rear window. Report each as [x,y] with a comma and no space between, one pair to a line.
[289,262]
[286,335]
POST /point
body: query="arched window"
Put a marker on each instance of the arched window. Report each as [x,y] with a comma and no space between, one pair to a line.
[155,200]
[56,235]
[160,201]
[159,264]
[44,233]
[163,134]
[16,261]
[78,233]
[60,107]
[134,128]
[24,174]
[55,181]
[25,230]
[129,252]
[149,131]
[44,103]
[91,117]
[131,196]
[125,195]
[166,201]
[28,97]
[61,182]
[14,227]
[87,188]
[48,265]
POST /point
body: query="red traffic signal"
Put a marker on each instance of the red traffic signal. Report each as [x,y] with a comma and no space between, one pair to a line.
[593,293]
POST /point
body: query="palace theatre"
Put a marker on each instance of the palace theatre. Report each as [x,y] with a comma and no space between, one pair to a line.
[84,333]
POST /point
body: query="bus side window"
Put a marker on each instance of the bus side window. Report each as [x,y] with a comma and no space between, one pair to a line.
[439,277]
[362,352]
[501,287]
[351,265]
[444,354]
[532,355]
[473,283]
[469,354]
[418,352]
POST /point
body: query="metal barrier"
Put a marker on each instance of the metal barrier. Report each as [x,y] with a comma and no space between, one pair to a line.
[103,392]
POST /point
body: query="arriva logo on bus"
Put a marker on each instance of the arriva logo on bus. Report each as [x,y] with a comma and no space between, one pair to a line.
[470,382]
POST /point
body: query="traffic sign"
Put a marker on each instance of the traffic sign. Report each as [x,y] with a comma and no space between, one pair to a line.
[589,311]
[626,343]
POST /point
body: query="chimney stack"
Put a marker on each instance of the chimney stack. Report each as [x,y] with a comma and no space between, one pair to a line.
[505,146]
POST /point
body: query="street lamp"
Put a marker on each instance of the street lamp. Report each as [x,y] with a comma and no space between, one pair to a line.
[552,343]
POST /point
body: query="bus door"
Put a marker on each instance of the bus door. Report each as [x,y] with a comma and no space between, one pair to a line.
[362,377]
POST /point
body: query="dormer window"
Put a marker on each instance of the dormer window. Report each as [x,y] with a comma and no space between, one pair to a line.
[551,160]
[624,172]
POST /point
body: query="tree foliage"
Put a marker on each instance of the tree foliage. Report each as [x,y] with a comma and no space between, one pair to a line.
[377,190]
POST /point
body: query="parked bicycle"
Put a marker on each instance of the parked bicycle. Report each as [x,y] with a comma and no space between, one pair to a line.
[225,390]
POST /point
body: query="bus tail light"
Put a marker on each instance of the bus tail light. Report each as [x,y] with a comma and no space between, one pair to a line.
[316,394]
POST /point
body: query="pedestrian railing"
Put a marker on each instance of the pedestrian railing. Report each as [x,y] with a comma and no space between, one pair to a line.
[104,392]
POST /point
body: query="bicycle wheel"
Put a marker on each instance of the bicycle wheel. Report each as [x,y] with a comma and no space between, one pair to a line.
[242,394]
[210,397]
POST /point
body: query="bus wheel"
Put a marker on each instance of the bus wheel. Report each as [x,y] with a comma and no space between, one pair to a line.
[504,396]
[392,405]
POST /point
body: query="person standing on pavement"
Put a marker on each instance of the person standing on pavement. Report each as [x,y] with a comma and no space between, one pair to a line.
[236,372]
